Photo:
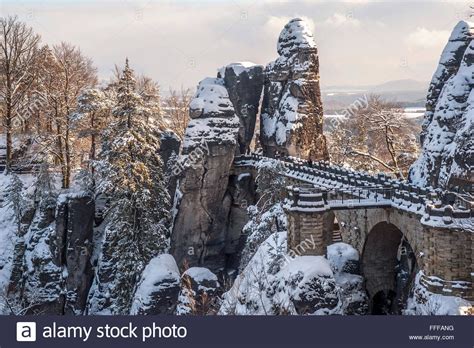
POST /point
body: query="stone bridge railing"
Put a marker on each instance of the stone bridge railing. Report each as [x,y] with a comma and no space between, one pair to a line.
[343,188]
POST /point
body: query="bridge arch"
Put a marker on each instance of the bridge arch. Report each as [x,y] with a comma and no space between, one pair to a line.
[388,265]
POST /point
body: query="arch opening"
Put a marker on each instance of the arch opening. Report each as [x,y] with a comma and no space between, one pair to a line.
[389,267]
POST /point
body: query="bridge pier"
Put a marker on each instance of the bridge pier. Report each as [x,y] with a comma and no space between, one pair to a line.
[310,222]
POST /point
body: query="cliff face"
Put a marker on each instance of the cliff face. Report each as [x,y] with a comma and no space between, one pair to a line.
[244,83]
[447,157]
[52,273]
[292,112]
[202,204]
[223,114]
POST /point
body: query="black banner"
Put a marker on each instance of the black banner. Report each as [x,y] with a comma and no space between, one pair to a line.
[289,331]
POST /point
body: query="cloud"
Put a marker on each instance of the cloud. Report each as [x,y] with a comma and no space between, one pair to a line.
[426,38]
[339,19]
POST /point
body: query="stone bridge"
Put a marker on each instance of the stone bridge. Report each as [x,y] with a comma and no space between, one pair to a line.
[380,217]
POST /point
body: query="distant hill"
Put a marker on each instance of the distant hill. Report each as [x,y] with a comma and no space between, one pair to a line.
[401,85]
[408,92]
[389,86]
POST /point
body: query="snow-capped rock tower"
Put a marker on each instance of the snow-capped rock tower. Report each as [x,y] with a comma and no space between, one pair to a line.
[292,112]
[447,158]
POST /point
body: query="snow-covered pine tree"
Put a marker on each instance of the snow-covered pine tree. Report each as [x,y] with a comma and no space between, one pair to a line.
[130,172]
[150,94]
[271,185]
[93,109]
[14,197]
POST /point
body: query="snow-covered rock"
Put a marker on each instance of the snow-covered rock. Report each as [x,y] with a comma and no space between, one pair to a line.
[7,238]
[43,287]
[292,112]
[210,143]
[343,258]
[447,157]
[199,289]
[274,283]
[344,261]
[448,65]
[213,118]
[310,284]
[159,287]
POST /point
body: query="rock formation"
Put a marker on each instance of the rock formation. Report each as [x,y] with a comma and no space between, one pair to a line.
[203,203]
[159,287]
[274,283]
[244,83]
[292,112]
[199,291]
[56,257]
[447,158]
[223,116]
[208,210]
[74,233]
[344,261]
[169,152]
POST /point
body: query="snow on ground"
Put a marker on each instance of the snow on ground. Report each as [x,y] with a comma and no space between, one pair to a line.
[16,140]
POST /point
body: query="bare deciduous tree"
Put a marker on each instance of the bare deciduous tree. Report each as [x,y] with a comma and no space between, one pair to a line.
[177,110]
[376,138]
[18,51]
[67,73]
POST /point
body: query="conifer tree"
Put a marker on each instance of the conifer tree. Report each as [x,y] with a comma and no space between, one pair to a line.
[45,195]
[131,174]
[14,196]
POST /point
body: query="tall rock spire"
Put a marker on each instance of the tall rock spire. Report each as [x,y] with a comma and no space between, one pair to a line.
[448,65]
[447,157]
[292,112]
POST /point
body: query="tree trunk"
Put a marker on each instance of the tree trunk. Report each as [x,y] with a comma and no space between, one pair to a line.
[67,148]
[9,143]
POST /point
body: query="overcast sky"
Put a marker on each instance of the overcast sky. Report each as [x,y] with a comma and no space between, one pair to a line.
[180,42]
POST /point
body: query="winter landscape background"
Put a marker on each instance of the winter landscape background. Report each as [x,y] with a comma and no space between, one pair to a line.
[324,166]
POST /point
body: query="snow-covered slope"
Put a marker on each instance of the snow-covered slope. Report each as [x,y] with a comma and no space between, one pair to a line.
[273,283]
